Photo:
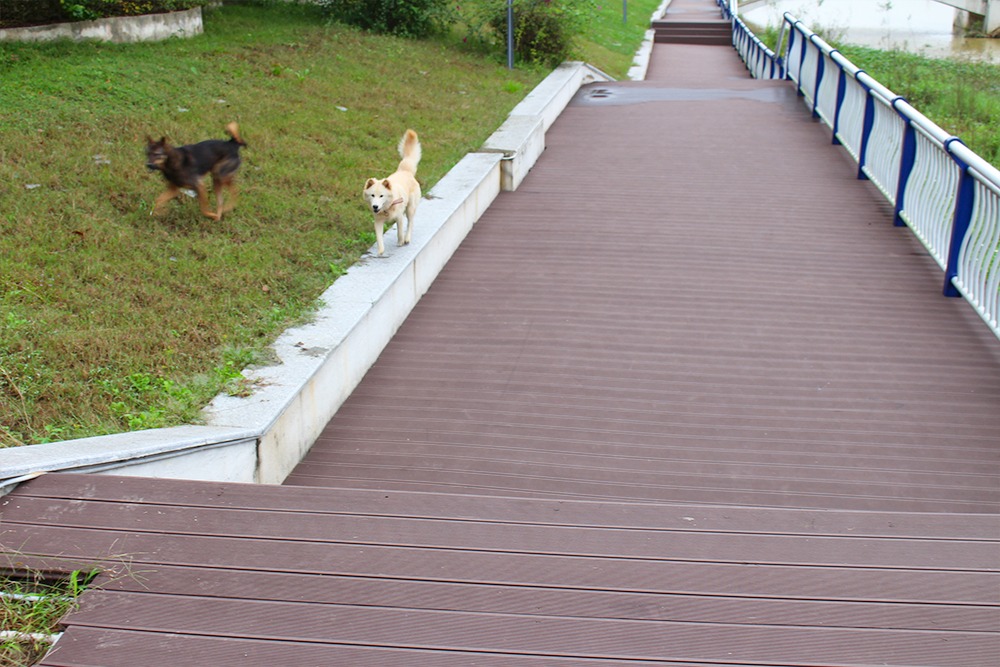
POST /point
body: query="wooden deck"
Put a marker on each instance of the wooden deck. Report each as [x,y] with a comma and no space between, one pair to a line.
[687,397]
[228,574]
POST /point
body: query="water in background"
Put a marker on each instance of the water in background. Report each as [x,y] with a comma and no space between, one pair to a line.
[918,26]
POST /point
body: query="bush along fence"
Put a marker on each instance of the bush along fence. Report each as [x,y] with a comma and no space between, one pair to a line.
[944,192]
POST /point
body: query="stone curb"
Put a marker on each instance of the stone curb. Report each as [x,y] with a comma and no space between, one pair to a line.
[117,29]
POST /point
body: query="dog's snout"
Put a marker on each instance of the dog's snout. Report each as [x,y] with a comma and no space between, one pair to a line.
[375,207]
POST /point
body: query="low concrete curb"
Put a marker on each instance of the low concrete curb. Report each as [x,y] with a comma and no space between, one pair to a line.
[640,64]
[322,362]
[118,29]
[260,438]
[521,138]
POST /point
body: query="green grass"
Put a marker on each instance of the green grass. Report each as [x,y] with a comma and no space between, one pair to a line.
[33,606]
[111,320]
[610,42]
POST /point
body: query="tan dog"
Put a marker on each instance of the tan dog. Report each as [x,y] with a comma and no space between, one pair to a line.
[395,197]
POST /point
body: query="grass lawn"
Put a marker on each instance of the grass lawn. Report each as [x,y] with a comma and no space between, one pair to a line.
[112,320]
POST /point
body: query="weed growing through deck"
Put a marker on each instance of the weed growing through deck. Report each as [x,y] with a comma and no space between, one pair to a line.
[31,607]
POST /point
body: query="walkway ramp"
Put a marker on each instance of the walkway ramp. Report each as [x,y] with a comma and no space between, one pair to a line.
[690,299]
[686,397]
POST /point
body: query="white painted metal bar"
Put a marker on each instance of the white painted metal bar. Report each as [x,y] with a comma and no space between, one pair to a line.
[978,268]
[930,195]
[826,96]
[885,147]
[851,115]
[808,72]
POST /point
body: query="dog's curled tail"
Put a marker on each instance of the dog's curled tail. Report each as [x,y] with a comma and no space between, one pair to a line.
[409,150]
[233,130]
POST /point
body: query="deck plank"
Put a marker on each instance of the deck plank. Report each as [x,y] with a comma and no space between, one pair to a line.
[530,580]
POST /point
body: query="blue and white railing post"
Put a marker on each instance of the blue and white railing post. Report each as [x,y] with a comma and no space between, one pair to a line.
[841,94]
[960,224]
[820,70]
[906,159]
[802,60]
[866,130]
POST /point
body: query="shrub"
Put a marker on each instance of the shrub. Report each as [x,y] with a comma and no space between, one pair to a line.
[37,12]
[406,18]
[30,12]
[544,30]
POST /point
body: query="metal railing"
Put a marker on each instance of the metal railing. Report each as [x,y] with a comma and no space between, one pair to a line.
[947,195]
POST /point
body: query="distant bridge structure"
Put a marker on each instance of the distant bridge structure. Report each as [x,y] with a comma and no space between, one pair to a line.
[988,9]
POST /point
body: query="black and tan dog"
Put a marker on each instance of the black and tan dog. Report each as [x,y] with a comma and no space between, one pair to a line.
[185,167]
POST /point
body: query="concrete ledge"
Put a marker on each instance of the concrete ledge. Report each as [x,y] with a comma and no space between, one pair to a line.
[551,96]
[118,29]
[640,63]
[521,140]
[322,362]
[140,452]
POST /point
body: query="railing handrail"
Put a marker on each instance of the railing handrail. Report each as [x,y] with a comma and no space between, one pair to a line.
[943,191]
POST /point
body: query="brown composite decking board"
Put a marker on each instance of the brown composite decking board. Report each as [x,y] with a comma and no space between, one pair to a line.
[646,544]
[331,576]
[684,398]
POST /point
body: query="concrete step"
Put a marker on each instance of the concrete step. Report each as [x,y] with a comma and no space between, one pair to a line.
[692,32]
[711,40]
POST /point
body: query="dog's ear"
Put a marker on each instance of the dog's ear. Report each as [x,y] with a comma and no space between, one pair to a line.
[371,182]
[387,184]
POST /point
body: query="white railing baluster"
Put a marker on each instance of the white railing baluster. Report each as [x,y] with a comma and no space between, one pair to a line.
[882,164]
[852,115]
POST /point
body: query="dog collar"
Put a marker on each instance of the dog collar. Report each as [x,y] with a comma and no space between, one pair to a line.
[396,201]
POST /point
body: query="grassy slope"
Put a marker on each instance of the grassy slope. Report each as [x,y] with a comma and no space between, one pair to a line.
[111,320]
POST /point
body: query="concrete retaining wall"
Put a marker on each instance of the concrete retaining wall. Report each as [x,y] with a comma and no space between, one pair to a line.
[119,29]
